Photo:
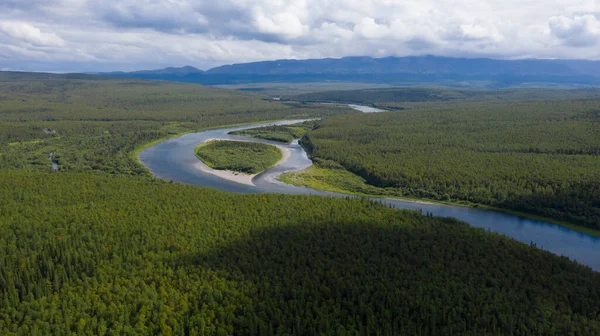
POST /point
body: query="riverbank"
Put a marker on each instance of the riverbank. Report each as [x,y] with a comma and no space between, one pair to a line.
[174,160]
[316,178]
[233,175]
[135,153]
[320,185]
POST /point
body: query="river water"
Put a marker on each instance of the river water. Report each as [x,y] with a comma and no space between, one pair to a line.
[175,160]
[366,109]
[54,162]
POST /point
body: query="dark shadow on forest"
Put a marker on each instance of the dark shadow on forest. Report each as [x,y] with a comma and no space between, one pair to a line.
[398,279]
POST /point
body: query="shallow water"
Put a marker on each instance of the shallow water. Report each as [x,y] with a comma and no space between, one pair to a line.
[54,163]
[175,160]
[366,109]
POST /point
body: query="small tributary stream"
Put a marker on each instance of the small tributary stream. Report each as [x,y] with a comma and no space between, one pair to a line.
[54,162]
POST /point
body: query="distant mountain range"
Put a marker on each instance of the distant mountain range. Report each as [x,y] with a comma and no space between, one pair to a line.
[414,70]
[183,71]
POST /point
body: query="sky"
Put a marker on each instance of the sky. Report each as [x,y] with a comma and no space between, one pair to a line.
[100,35]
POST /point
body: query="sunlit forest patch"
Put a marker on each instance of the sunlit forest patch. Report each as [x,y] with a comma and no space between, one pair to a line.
[96,122]
[539,157]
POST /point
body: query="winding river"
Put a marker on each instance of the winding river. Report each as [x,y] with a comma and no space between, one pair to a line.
[175,160]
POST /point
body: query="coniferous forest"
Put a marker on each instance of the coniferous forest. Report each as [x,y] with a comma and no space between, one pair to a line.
[539,157]
[95,255]
[100,247]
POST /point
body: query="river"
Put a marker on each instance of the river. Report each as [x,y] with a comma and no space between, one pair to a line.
[366,109]
[174,160]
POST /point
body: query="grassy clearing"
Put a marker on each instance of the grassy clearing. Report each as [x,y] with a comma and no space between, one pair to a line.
[17,143]
[238,156]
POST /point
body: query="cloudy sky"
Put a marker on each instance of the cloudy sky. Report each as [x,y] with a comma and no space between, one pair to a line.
[99,35]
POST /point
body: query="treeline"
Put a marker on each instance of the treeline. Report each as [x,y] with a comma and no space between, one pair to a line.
[394,97]
[99,255]
[539,157]
[94,123]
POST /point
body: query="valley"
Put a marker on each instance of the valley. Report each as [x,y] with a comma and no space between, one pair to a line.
[335,168]
[103,246]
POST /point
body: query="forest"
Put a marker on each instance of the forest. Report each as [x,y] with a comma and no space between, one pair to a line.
[539,157]
[399,98]
[100,247]
[239,156]
[86,254]
[93,124]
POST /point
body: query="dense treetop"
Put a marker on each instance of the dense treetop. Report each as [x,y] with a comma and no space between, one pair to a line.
[96,255]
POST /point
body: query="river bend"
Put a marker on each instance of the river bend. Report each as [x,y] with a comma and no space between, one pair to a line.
[175,160]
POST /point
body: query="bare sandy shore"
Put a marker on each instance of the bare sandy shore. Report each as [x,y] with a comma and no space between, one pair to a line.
[235,176]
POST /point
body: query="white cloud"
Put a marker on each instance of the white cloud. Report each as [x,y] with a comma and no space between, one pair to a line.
[286,25]
[578,31]
[145,33]
[475,32]
[25,32]
[368,28]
